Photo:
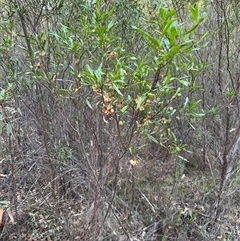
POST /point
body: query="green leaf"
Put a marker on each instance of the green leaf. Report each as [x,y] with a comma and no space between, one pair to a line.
[194,12]
[199,114]
[1,128]
[172,35]
[182,158]
[98,73]
[19,111]
[9,129]
[150,38]
[89,69]
[165,14]
[141,100]
[169,23]
[195,26]
[4,203]
[117,89]
[174,50]
[124,109]
[186,102]
[167,79]
[184,82]
[194,106]
[89,104]
[170,14]
[166,44]
[110,25]
[152,138]
[60,4]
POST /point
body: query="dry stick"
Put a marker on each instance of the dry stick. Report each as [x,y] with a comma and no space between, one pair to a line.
[228,168]
[38,93]
[24,28]
[217,205]
[13,188]
[95,177]
[115,180]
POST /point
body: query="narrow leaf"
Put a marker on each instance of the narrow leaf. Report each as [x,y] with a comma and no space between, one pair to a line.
[117,89]
[124,109]
[169,23]
[194,12]
[184,82]
[89,104]
[152,139]
[140,101]
[194,105]
[186,102]
[195,26]
[151,39]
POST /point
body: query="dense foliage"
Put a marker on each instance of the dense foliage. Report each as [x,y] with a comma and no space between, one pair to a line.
[113,115]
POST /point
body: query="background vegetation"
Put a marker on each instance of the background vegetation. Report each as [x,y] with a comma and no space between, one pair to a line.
[119,120]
